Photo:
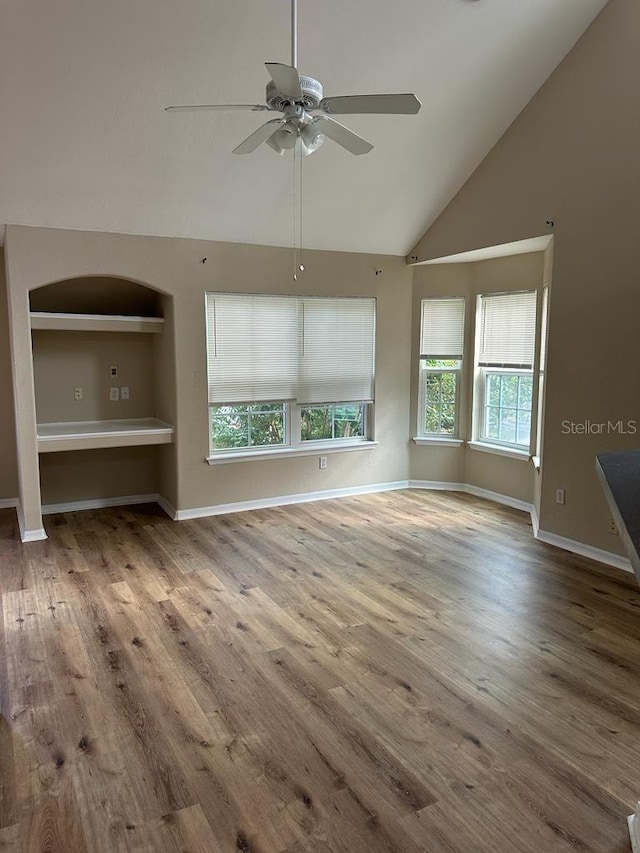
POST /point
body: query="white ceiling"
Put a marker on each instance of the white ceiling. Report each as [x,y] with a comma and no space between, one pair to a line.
[86,144]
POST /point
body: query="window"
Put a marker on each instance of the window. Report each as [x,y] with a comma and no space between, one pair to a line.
[506,343]
[258,425]
[441,349]
[286,371]
[319,423]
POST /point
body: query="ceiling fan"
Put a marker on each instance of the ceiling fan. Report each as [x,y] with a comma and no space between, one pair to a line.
[300,99]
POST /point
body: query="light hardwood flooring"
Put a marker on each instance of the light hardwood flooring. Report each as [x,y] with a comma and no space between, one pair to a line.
[400,672]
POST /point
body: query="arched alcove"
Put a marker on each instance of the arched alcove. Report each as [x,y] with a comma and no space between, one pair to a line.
[104,392]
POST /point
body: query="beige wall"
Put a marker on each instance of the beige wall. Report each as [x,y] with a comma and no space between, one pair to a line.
[63,362]
[511,477]
[8,470]
[98,474]
[174,267]
[572,157]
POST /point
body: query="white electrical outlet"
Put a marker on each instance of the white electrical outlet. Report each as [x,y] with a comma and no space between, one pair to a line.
[78,393]
[323,463]
[124,392]
[559,496]
[113,371]
[114,394]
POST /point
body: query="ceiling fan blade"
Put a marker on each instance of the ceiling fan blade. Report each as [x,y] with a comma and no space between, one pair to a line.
[342,135]
[383,104]
[259,136]
[286,79]
[186,108]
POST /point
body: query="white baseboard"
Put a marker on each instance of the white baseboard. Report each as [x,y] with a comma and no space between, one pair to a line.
[467,488]
[99,503]
[580,548]
[35,535]
[167,507]
[634,830]
[597,554]
[583,550]
[285,500]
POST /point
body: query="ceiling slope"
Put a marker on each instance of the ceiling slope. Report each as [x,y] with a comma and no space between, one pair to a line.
[86,144]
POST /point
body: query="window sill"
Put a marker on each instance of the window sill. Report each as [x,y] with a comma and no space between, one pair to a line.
[314,449]
[435,441]
[536,462]
[498,450]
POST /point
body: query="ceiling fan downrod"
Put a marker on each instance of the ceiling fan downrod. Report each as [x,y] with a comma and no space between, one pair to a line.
[294,33]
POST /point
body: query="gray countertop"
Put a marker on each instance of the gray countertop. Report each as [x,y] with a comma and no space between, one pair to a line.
[620,477]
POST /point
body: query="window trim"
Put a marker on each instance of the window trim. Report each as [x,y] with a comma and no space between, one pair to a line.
[484,372]
[293,444]
[280,451]
[423,372]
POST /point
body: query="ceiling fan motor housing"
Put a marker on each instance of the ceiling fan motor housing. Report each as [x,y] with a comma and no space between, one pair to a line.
[311,95]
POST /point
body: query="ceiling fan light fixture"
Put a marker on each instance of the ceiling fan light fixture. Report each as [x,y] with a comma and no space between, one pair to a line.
[286,136]
[311,138]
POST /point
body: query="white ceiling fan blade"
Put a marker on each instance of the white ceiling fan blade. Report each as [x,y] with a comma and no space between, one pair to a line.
[382,104]
[286,79]
[342,135]
[186,108]
[259,136]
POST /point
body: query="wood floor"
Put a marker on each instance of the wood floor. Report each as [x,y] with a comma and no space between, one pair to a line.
[397,672]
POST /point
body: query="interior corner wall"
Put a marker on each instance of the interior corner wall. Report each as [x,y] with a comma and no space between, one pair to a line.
[8,464]
[173,266]
[571,157]
[512,478]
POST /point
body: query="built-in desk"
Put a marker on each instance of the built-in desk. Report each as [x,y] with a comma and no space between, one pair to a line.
[620,477]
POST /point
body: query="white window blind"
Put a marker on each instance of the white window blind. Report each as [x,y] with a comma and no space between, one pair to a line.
[508,329]
[338,352]
[442,328]
[252,347]
[312,350]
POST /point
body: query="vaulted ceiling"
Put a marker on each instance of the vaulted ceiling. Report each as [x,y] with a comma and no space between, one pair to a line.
[86,143]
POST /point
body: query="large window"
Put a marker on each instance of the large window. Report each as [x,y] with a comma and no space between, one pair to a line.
[287,371]
[441,349]
[506,344]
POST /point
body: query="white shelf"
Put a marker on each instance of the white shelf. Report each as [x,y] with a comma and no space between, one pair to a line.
[89,435]
[95,322]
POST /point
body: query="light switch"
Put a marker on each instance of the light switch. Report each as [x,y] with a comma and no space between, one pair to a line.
[114,394]
[124,392]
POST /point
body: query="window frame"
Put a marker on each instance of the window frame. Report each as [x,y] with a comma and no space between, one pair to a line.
[445,331]
[478,440]
[483,405]
[424,371]
[309,384]
[293,444]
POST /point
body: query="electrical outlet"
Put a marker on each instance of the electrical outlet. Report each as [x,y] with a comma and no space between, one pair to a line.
[323,463]
[113,371]
[559,496]
[78,393]
[613,527]
[114,394]
[124,392]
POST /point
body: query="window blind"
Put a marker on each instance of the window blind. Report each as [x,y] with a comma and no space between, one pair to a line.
[508,329]
[312,350]
[442,328]
[338,350]
[252,347]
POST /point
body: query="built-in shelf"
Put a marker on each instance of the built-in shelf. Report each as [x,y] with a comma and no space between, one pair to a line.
[95,322]
[89,435]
